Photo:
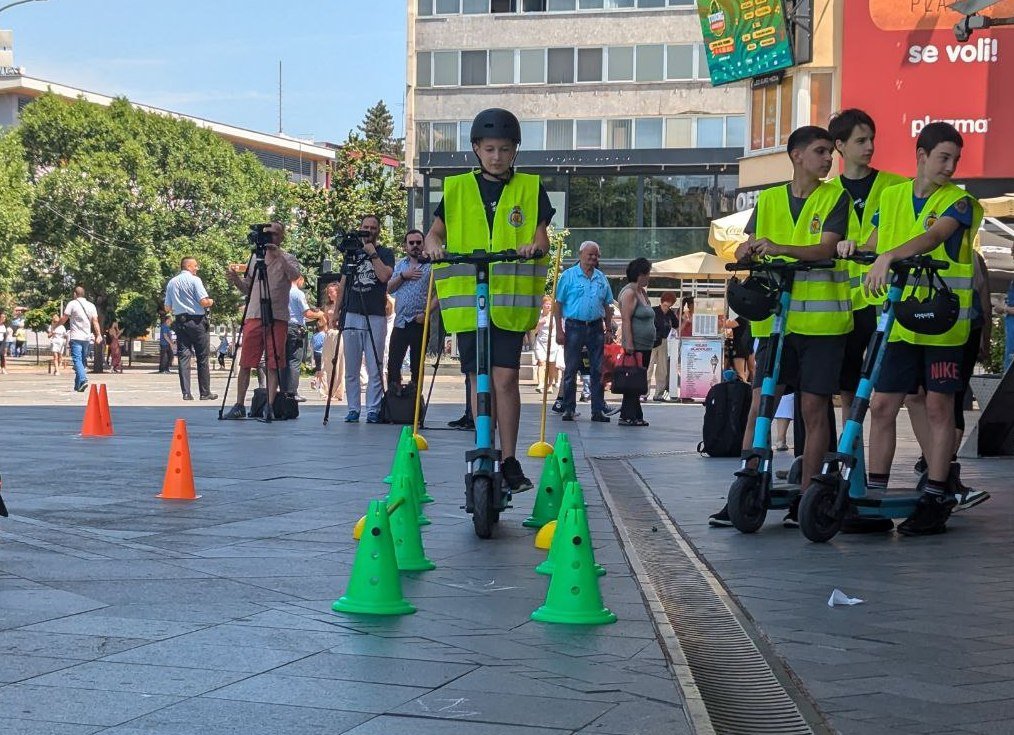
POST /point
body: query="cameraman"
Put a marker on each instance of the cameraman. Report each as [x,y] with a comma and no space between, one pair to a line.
[282,270]
[365,304]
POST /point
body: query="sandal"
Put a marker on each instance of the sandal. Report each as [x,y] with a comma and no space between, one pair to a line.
[627,422]
[640,422]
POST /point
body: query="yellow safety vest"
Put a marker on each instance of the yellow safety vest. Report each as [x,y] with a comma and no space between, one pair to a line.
[516,289]
[859,232]
[820,297]
[900,223]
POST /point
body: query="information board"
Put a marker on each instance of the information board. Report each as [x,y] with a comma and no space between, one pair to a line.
[744,38]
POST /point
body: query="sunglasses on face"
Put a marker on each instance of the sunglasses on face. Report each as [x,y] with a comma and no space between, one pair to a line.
[415,242]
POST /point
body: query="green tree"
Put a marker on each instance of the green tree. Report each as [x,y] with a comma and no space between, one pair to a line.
[557,244]
[377,127]
[15,211]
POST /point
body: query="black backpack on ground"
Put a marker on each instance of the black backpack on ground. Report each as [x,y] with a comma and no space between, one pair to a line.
[284,406]
[398,406]
[726,410]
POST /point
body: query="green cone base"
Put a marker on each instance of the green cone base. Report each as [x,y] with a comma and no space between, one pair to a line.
[426,498]
[547,568]
[423,520]
[597,617]
[533,522]
[345,605]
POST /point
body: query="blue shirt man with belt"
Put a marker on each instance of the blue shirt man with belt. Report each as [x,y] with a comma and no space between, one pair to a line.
[187,300]
[299,312]
[584,315]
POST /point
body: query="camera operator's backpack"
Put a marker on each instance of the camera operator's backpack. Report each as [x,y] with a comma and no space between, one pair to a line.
[398,406]
[726,409]
[285,407]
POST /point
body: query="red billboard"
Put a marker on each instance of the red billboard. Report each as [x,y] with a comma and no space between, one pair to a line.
[903,65]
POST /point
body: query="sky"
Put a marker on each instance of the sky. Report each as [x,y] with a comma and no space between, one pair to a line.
[218,59]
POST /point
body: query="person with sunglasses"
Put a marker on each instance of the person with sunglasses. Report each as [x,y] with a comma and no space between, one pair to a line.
[409,284]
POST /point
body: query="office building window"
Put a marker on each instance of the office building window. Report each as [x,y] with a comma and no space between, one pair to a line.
[589,65]
[473,68]
[678,201]
[619,4]
[619,134]
[559,135]
[621,63]
[735,132]
[534,6]
[648,132]
[682,3]
[589,134]
[422,137]
[445,68]
[447,7]
[502,6]
[533,135]
[562,5]
[710,132]
[425,7]
[785,125]
[423,70]
[650,63]
[464,135]
[651,3]
[679,132]
[561,66]
[820,97]
[680,61]
[771,115]
[501,67]
[591,4]
[533,66]
[602,201]
[445,137]
[702,63]
[474,7]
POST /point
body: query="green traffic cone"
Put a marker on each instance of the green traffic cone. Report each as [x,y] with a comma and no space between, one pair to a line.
[549,563]
[374,587]
[415,461]
[406,433]
[408,547]
[565,456]
[574,596]
[573,497]
[548,496]
[403,473]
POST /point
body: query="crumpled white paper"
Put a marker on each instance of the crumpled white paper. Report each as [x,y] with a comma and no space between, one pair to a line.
[840,598]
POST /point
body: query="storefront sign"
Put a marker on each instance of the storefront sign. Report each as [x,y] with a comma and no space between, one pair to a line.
[700,366]
[903,65]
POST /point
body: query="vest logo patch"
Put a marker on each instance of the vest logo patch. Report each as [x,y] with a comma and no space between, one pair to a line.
[516,218]
[931,219]
[815,225]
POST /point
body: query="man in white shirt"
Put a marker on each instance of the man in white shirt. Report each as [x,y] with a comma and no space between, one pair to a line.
[84,322]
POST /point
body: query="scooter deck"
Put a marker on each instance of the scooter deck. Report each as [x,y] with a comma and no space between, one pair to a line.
[782,496]
[895,502]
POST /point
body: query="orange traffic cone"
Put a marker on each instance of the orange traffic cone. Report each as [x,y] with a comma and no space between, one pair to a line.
[106,418]
[179,475]
[92,424]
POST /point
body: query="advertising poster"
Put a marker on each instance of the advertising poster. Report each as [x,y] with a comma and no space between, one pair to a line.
[700,366]
[903,65]
[744,38]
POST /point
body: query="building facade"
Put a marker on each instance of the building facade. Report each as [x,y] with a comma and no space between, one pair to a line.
[636,148]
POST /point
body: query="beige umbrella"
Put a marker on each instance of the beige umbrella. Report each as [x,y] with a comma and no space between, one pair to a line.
[726,234]
[695,266]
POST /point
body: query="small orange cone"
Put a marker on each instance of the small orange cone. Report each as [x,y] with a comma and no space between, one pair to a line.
[105,417]
[179,475]
[92,424]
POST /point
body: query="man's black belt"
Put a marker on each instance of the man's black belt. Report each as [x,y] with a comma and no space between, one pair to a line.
[590,323]
[190,317]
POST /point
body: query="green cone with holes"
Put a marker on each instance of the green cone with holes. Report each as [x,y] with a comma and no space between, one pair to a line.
[565,456]
[573,497]
[548,496]
[406,433]
[574,596]
[407,461]
[374,587]
[408,546]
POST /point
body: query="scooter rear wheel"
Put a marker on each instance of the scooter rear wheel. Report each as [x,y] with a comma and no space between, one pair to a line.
[746,506]
[484,513]
[819,518]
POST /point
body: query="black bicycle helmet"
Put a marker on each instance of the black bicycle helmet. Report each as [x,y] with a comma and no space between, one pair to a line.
[935,314]
[755,298]
[496,123]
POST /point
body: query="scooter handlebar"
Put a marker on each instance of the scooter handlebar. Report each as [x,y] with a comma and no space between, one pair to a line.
[778,266]
[480,257]
[915,261]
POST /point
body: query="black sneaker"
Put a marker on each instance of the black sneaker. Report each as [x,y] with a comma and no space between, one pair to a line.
[965,496]
[930,516]
[209,396]
[567,416]
[720,519]
[464,424]
[791,519]
[514,476]
[921,466]
[235,413]
[600,418]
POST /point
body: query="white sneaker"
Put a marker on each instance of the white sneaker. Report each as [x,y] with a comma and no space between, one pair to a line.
[969,498]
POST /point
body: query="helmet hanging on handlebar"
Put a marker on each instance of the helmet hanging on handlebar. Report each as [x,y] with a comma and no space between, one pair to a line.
[934,314]
[754,298]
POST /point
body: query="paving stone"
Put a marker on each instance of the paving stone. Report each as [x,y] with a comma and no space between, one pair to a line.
[19,668]
[203,655]
[453,704]
[641,718]
[386,724]
[141,678]
[352,696]
[377,670]
[76,706]
[17,726]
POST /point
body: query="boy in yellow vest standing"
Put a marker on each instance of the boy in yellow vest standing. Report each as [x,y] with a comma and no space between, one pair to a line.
[927,215]
[803,220]
[494,209]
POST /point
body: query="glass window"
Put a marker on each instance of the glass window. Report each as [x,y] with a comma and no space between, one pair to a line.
[425,7]
[651,3]
[534,6]
[559,135]
[681,3]
[474,6]
[602,201]
[473,68]
[621,63]
[464,135]
[678,201]
[447,7]
[757,119]
[735,131]
[650,63]
[445,68]
[445,136]
[502,6]
[678,132]
[680,61]
[422,137]
[710,132]
[648,132]
[533,135]
[820,98]
[423,71]
[590,4]
[770,117]
[501,67]
[619,134]
[589,65]
[562,4]
[533,66]
[589,134]
[619,4]
[561,66]
[785,111]
[702,63]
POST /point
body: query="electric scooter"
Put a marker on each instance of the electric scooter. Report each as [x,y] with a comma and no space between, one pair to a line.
[486,493]
[839,495]
[753,492]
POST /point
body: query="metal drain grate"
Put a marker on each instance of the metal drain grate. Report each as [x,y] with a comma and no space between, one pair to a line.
[738,687]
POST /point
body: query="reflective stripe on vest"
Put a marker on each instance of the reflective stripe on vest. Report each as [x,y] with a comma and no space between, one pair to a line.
[516,288]
[820,286]
[860,232]
[900,223]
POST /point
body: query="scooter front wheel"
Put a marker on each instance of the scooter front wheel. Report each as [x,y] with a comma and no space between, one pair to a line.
[820,517]
[484,513]
[746,506]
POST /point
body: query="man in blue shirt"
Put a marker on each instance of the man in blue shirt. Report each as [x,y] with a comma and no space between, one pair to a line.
[187,299]
[299,312]
[584,314]
[409,286]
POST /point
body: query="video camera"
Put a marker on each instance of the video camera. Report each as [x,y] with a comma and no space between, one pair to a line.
[259,237]
[350,242]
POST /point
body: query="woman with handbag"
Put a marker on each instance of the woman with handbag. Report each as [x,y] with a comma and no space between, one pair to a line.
[630,377]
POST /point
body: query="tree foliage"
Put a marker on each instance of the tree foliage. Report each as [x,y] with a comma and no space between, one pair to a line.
[377,128]
[15,211]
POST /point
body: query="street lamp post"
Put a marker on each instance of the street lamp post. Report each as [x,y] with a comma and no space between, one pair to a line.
[18,2]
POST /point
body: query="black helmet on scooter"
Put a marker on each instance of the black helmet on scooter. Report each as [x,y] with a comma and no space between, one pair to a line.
[496,123]
[755,298]
[935,314]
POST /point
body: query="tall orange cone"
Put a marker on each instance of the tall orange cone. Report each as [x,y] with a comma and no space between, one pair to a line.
[179,474]
[107,419]
[92,423]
